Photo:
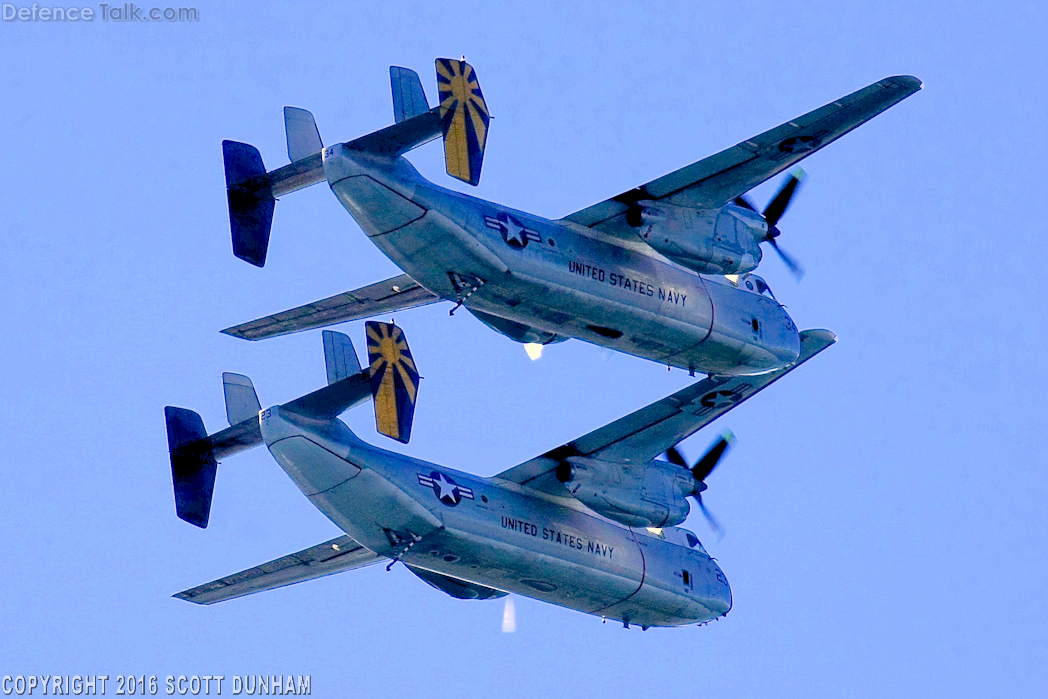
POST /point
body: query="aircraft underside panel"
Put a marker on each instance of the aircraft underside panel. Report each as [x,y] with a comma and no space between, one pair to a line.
[456,587]
[647,592]
[520,571]
[568,312]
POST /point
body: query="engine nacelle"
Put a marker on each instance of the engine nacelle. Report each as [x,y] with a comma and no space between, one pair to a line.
[709,241]
[652,495]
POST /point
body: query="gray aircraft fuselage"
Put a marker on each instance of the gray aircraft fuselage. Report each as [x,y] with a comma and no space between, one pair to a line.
[494,534]
[538,280]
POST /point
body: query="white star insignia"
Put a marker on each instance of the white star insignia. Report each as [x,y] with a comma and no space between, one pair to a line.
[514,232]
[444,488]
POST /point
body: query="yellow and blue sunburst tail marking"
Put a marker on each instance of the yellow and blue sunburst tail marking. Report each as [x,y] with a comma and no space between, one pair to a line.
[465,117]
[394,380]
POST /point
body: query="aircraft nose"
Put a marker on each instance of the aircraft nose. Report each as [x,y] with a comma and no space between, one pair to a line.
[788,344]
[779,345]
[719,599]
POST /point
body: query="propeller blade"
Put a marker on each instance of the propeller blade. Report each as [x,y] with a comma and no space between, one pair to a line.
[707,463]
[676,458]
[774,211]
[703,468]
[714,524]
[744,203]
[791,264]
[777,207]
[635,216]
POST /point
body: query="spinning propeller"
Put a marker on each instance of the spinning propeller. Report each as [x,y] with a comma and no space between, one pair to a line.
[773,212]
[703,468]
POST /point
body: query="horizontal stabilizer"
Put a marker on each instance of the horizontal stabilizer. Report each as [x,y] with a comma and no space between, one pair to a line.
[241,400]
[303,136]
[396,294]
[193,466]
[409,98]
[250,207]
[394,380]
[465,119]
[335,556]
[340,359]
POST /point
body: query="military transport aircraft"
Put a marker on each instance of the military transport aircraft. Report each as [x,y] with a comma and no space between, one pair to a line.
[662,271]
[589,525]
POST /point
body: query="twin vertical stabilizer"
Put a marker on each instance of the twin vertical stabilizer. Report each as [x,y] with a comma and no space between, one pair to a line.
[303,136]
[464,115]
[462,118]
[193,465]
[394,380]
[409,99]
[391,380]
[251,205]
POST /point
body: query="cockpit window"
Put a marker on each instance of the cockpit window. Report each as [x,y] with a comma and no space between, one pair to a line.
[762,286]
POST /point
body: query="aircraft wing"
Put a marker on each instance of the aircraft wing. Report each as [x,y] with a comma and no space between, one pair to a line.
[643,435]
[394,294]
[718,179]
[335,556]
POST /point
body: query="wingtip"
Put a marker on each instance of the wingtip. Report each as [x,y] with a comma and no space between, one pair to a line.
[237,332]
[815,341]
[819,334]
[907,82]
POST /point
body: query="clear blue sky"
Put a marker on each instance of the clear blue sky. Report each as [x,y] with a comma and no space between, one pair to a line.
[885,504]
